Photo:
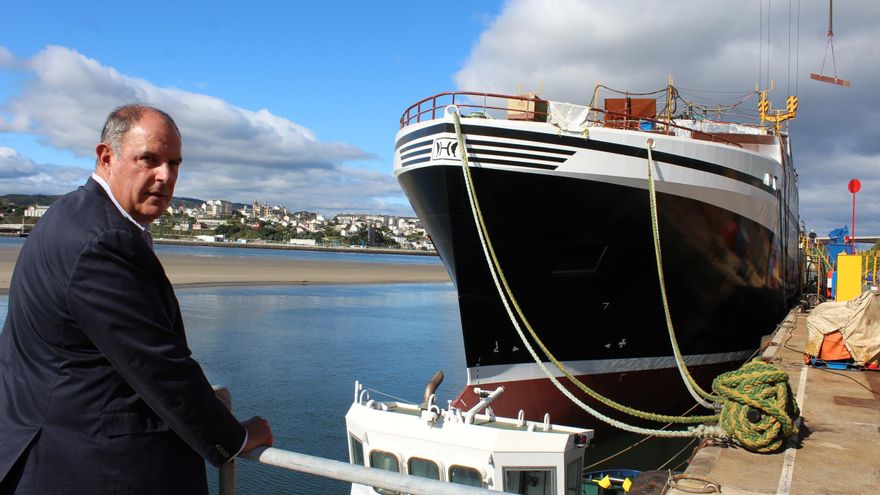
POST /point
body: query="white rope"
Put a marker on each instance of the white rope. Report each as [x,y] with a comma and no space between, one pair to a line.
[698,431]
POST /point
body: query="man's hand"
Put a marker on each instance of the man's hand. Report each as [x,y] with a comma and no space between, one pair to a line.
[259,433]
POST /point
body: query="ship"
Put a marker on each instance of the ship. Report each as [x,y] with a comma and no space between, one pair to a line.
[564,193]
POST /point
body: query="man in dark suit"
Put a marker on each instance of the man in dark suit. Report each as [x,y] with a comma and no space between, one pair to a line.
[98,389]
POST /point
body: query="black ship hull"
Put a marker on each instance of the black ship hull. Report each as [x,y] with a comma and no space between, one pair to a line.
[578,254]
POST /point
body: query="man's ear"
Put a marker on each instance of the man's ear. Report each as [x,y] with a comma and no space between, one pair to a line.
[105,156]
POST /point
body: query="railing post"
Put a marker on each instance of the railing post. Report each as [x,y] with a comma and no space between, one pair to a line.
[227,471]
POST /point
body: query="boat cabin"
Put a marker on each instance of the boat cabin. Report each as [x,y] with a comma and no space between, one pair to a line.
[467,447]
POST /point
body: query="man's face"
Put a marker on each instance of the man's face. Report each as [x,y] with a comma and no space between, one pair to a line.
[143,174]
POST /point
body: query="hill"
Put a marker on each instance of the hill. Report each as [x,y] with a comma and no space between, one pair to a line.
[28,199]
[47,199]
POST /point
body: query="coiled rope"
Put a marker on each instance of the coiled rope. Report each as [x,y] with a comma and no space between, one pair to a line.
[759,412]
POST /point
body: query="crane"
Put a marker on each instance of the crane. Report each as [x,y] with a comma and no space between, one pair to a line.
[830,44]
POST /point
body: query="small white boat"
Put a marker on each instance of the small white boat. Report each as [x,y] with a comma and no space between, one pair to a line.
[472,447]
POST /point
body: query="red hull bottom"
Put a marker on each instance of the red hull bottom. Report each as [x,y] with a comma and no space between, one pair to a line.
[658,391]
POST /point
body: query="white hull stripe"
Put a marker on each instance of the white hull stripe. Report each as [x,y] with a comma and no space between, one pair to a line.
[734,191]
[565,143]
[530,371]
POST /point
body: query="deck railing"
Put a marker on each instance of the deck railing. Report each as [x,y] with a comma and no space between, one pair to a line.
[484,103]
[337,470]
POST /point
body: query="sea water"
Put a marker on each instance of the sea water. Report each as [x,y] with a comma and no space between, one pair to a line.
[292,353]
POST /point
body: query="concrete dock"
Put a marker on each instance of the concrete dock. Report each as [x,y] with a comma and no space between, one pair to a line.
[837,450]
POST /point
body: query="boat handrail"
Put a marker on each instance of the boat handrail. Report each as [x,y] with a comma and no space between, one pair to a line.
[419,111]
[486,400]
[344,471]
[337,470]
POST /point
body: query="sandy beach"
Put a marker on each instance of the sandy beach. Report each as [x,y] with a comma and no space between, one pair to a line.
[201,271]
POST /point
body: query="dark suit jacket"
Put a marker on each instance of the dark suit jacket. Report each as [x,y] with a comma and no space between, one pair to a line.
[98,391]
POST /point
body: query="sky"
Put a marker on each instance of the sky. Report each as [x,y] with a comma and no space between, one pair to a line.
[297,103]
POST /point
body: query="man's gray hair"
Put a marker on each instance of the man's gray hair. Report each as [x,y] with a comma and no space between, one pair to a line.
[123,118]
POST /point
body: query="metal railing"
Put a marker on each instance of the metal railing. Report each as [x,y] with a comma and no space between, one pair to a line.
[337,470]
[429,108]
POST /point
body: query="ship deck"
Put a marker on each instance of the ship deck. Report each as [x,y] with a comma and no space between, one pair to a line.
[836,451]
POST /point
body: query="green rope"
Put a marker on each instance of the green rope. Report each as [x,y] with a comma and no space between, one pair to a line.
[759,410]
[698,393]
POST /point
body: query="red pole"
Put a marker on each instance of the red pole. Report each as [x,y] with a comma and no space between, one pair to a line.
[853,238]
[853,186]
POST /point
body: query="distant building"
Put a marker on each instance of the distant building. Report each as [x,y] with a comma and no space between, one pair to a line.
[260,210]
[209,238]
[176,210]
[218,208]
[302,242]
[35,211]
[210,223]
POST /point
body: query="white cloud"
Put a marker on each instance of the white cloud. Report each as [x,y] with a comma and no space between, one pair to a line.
[21,175]
[13,165]
[229,152]
[6,58]
[569,45]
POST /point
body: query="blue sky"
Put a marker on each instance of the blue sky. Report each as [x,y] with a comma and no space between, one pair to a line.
[297,103]
[343,70]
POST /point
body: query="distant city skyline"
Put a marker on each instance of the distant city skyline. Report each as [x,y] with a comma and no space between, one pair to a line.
[183,200]
[305,113]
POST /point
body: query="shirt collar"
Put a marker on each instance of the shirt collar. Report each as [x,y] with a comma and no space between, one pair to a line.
[119,207]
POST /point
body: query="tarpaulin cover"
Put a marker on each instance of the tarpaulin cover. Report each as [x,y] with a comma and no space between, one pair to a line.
[569,117]
[857,320]
[710,126]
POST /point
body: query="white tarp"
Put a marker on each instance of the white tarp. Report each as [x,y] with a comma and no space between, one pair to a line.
[568,116]
[858,321]
[712,127]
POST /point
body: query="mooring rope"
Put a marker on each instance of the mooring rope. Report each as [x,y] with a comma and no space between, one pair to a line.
[759,411]
[505,292]
[763,389]
[757,408]
[692,387]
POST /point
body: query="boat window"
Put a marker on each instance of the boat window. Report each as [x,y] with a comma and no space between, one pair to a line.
[357,451]
[387,462]
[573,477]
[424,468]
[464,475]
[529,481]
[384,460]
